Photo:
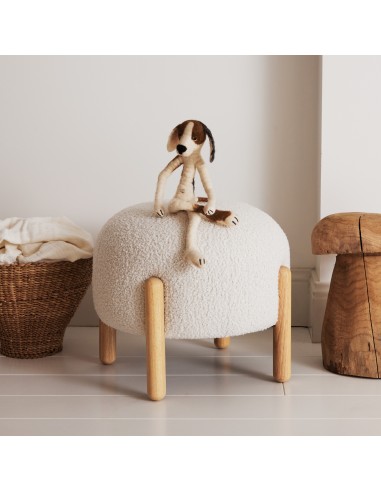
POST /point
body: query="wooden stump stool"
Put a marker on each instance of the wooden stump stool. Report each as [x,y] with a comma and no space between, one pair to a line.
[351,336]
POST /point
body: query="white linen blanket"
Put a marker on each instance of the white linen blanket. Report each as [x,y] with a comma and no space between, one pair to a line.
[38,239]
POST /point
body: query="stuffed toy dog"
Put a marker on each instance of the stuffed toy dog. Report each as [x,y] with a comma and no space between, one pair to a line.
[188,139]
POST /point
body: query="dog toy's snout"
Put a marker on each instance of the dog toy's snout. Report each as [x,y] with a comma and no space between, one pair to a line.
[181,149]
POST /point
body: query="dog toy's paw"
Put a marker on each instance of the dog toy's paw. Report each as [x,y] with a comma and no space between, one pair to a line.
[194,257]
[209,208]
[231,220]
[159,211]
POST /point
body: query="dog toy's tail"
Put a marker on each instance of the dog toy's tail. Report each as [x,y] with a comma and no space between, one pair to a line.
[222,217]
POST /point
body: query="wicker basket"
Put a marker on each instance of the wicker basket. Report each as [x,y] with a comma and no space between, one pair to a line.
[37,301]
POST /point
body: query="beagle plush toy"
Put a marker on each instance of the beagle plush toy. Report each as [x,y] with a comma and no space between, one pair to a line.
[188,138]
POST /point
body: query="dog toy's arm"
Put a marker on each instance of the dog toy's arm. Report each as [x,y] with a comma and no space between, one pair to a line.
[161,180]
[210,207]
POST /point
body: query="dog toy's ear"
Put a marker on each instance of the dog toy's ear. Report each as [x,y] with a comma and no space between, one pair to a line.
[211,142]
[173,139]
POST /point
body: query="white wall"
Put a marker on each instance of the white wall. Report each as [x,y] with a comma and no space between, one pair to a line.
[86,136]
[351,151]
[351,130]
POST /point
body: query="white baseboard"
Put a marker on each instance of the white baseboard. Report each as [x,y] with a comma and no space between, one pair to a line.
[301,278]
[318,301]
[301,281]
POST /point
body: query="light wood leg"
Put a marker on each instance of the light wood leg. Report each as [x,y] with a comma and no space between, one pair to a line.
[282,330]
[107,343]
[155,338]
[222,343]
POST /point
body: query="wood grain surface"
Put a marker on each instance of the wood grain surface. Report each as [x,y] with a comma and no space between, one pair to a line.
[347,233]
[373,277]
[347,338]
[351,336]
[370,227]
[337,234]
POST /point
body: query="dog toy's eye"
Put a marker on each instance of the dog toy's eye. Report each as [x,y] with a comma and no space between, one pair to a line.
[194,138]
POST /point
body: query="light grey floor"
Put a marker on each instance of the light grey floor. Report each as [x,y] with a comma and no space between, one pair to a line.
[209,391]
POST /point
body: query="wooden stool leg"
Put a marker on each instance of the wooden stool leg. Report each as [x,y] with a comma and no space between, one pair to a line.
[282,330]
[155,338]
[107,343]
[222,343]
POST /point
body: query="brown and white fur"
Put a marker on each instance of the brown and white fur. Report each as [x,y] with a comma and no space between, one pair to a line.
[188,138]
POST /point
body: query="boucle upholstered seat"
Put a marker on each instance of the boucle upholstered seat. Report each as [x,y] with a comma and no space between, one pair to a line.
[235,293]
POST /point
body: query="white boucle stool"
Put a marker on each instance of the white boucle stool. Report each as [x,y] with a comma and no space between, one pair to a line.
[142,284]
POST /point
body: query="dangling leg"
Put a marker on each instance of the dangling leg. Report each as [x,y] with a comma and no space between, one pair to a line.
[221,217]
[192,253]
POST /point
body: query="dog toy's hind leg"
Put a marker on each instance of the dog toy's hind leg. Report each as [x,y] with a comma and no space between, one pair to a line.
[221,217]
[192,253]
